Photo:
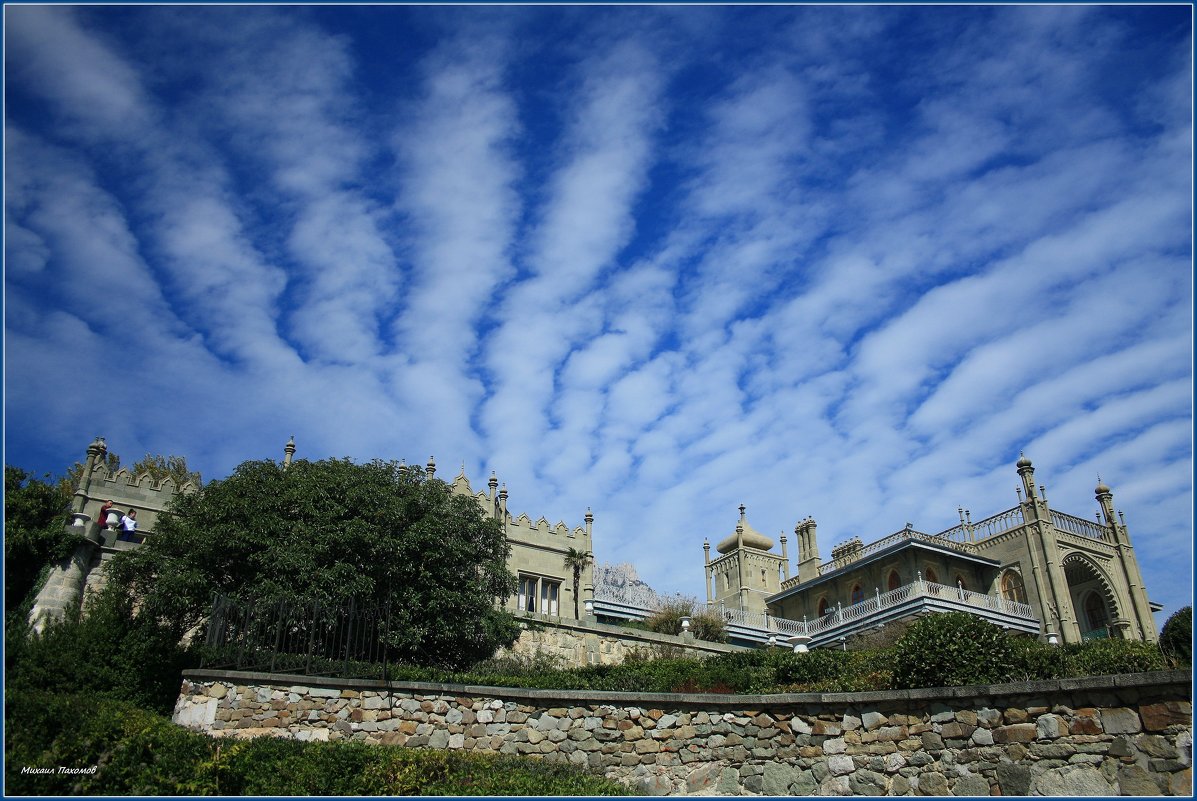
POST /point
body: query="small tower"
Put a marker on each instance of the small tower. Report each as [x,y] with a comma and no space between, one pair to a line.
[288,452]
[808,550]
[1027,473]
[746,571]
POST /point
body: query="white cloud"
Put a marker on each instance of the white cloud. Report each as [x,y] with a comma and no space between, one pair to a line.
[654,263]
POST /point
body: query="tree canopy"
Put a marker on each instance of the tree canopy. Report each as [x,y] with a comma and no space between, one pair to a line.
[329,531]
[35,517]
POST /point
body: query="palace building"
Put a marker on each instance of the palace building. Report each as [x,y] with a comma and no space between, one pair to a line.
[1030,569]
[538,548]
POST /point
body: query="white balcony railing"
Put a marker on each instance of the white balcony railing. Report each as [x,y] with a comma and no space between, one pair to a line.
[878,604]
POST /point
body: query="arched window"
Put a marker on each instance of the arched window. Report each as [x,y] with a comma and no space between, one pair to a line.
[895,580]
[822,608]
[931,576]
[1012,589]
[857,594]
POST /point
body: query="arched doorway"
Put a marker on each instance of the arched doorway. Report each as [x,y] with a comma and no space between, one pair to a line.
[1092,597]
[895,580]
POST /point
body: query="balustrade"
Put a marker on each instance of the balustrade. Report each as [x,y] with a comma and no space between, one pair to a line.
[1079,526]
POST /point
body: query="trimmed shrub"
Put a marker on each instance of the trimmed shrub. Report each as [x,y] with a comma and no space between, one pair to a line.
[1032,660]
[1106,657]
[951,649]
[1177,636]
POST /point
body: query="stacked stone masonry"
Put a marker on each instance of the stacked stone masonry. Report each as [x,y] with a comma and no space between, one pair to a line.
[572,643]
[1128,735]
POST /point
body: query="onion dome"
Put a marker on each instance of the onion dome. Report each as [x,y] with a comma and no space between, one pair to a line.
[1101,488]
[751,537]
[1023,461]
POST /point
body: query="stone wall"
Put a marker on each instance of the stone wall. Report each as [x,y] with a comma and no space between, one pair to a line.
[573,643]
[1109,735]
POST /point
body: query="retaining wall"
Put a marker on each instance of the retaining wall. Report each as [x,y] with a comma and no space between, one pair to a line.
[1109,735]
[577,643]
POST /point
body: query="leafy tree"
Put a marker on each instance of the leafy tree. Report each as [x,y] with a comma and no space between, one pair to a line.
[1176,639]
[331,531]
[173,467]
[705,624]
[35,517]
[576,561]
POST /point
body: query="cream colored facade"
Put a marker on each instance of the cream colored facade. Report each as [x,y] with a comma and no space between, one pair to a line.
[538,553]
[1079,578]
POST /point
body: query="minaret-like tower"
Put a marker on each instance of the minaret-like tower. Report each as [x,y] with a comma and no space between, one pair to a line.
[1047,575]
[808,550]
[288,452]
[1140,606]
[746,572]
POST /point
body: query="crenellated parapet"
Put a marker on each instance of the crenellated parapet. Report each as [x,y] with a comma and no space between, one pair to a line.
[522,526]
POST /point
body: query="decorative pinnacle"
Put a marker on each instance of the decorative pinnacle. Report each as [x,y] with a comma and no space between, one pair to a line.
[742,508]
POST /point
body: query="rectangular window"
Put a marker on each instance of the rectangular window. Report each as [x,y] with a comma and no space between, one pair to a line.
[527,597]
[549,591]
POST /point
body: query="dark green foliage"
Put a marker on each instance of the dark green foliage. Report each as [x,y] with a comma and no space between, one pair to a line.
[139,753]
[1032,660]
[329,531]
[951,649]
[1177,637]
[746,672]
[106,652]
[36,513]
[1106,657]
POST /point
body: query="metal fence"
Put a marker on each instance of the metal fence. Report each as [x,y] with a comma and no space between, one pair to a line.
[310,638]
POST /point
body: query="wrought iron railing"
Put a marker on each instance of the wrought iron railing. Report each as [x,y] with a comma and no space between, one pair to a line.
[1079,526]
[310,638]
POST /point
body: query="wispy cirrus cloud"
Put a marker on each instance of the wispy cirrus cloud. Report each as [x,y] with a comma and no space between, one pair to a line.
[844,262]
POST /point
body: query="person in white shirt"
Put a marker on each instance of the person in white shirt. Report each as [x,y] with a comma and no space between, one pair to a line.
[129,526]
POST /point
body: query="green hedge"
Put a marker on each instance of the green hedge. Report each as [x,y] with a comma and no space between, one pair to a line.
[136,752]
[949,649]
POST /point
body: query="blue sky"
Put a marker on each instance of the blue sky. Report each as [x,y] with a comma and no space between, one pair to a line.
[844,262]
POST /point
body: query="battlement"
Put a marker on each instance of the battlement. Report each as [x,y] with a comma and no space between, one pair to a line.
[522,526]
[142,487]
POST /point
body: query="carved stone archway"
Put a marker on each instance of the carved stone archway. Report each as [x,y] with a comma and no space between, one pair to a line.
[1093,596]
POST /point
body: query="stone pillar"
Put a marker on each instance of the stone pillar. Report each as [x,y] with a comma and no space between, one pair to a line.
[64,586]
